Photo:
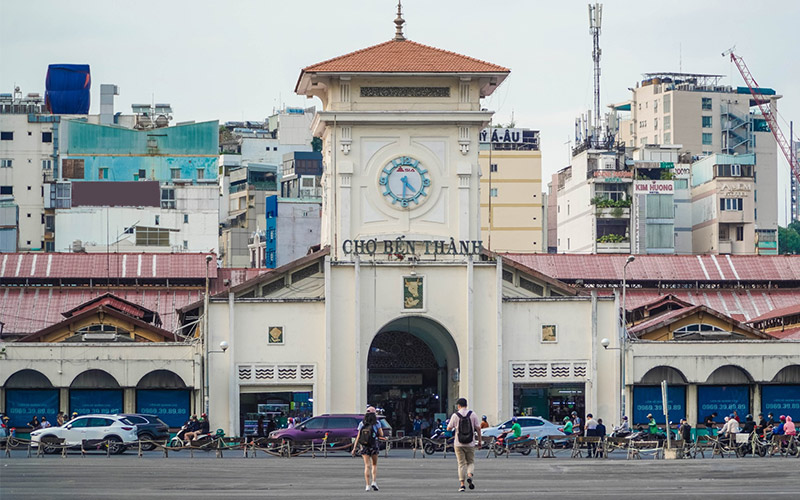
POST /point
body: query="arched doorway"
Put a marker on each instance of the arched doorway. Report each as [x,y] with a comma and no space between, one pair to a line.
[412,370]
[647,395]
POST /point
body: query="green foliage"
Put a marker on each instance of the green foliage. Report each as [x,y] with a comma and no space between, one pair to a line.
[789,239]
[617,212]
[602,202]
[225,134]
[666,175]
[316,144]
[612,238]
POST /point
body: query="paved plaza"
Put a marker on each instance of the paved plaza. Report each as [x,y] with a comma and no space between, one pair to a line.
[400,477]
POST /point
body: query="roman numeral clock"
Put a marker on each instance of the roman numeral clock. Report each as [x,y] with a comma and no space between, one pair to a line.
[404,181]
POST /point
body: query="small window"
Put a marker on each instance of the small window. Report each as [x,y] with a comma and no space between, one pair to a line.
[185,218]
[142,174]
[7,163]
[186,244]
[707,121]
[740,233]
[6,136]
[102,173]
[706,103]
[667,122]
[175,173]
[667,136]
[168,198]
[708,138]
[6,189]
[275,148]
[493,192]
[201,174]
[548,333]
[493,167]
[47,164]
[47,137]
[158,219]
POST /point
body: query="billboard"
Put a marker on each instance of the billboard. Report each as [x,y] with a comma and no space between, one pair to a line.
[780,400]
[105,401]
[23,404]
[647,399]
[170,405]
[722,399]
[653,187]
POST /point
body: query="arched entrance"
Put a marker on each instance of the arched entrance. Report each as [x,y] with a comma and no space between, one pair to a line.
[412,369]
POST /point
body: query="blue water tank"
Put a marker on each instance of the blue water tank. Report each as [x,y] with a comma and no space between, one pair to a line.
[68,89]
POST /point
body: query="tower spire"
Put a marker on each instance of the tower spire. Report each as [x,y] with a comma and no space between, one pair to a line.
[399,22]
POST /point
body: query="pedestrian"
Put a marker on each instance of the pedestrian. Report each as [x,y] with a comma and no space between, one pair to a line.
[44,424]
[735,416]
[4,427]
[416,427]
[34,423]
[484,423]
[466,425]
[369,432]
[685,431]
[271,426]
[600,430]
[591,428]
[260,426]
[651,424]
[576,423]
[710,424]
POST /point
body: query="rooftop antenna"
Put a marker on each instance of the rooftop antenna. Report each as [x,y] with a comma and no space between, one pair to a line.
[399,22]
[595,20]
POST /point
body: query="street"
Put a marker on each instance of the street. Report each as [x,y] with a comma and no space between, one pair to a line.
[400,476]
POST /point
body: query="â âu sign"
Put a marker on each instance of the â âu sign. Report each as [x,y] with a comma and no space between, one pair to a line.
[400,246]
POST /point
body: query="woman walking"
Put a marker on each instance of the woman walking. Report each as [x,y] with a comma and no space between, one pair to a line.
[369,431]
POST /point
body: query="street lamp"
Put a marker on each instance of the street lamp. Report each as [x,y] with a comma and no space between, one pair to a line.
[206,338]
[223,347]
[624,340]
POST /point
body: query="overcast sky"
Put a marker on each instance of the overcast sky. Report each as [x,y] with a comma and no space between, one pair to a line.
[240,59]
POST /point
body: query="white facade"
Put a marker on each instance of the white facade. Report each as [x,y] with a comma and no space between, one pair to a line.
[192,225]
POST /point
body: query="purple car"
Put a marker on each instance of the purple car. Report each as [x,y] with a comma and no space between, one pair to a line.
[338,426]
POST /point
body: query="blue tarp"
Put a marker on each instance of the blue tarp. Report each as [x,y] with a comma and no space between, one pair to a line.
[170,405]
[23,404]
[781,400]
[722,399]
[106,401]
[647,399]
[68,89]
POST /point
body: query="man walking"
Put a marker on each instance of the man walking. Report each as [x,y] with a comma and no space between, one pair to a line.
[466,425]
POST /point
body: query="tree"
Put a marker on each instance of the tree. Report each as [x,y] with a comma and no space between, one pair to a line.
[789,239]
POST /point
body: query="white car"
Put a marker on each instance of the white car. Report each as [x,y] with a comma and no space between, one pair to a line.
[537,427]
[114,428]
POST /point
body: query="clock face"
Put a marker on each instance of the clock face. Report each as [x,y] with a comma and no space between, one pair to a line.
[404,181]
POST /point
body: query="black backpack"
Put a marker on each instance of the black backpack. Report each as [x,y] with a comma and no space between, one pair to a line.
[366,437]
[465,432]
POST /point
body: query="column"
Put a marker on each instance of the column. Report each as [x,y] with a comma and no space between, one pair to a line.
[233,377]
[691,404]
[129,400]
[755,408]
[63,400]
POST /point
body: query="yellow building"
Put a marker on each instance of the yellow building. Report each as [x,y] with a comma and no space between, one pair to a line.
[511,190]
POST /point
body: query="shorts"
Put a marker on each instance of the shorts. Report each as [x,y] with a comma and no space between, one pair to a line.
[368,451]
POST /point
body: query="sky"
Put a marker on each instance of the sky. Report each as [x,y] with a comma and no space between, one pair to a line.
[240,59]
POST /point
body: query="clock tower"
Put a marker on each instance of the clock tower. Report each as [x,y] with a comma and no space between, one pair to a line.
[399,124]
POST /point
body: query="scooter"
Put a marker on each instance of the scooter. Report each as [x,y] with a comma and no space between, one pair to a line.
[440,438]
[505,442]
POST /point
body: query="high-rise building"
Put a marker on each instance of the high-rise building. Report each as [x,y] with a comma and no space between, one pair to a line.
[705,117]
[511,190]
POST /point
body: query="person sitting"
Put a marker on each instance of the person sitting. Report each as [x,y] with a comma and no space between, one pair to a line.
[762,424]
[515,431]
[749,424]
[484,422]
[652,426]
[567,426]
[730,428]
[202,428]
[789,428]
[190,425]
[623,429]
[778,429]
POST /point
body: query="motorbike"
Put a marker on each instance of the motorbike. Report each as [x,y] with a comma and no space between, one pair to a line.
[504,442]
[440,438]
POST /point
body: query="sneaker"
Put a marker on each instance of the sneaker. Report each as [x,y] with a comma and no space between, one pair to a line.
[375,486]
[367,488]
[461,489]
[471,484]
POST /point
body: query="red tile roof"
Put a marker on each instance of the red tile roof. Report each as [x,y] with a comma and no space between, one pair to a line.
[234,276]
[25,310]
[778,313]
[15,266]
[664,267]
[787,334]
[404,57]
[110,300]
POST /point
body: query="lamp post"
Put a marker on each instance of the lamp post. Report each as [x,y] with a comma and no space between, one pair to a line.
[206,338]
[624,340]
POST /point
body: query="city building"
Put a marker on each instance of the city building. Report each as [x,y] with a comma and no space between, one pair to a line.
[136,216]
[707,117]
[248,187]
[593,209]
[292,230]
[511,190]
[723,205]
[28,154]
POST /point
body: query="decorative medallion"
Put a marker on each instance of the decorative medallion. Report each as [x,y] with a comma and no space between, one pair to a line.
[404,181]
[413,292]
[275,335]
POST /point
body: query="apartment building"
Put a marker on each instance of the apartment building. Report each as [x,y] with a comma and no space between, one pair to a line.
[512,215]
[723,205]
[707,117]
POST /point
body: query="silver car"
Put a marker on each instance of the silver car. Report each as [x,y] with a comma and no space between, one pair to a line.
[536,427]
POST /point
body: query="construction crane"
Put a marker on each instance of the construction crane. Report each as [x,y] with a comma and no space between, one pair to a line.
[762,101]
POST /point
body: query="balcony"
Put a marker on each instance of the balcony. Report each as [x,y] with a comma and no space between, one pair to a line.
[613,213]
[253,186]
[615,247]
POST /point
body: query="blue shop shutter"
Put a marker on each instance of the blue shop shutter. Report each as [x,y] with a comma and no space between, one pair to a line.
[86,401]
[170,405]
[23,404]
[780,400]
[647,399]
[722,399]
